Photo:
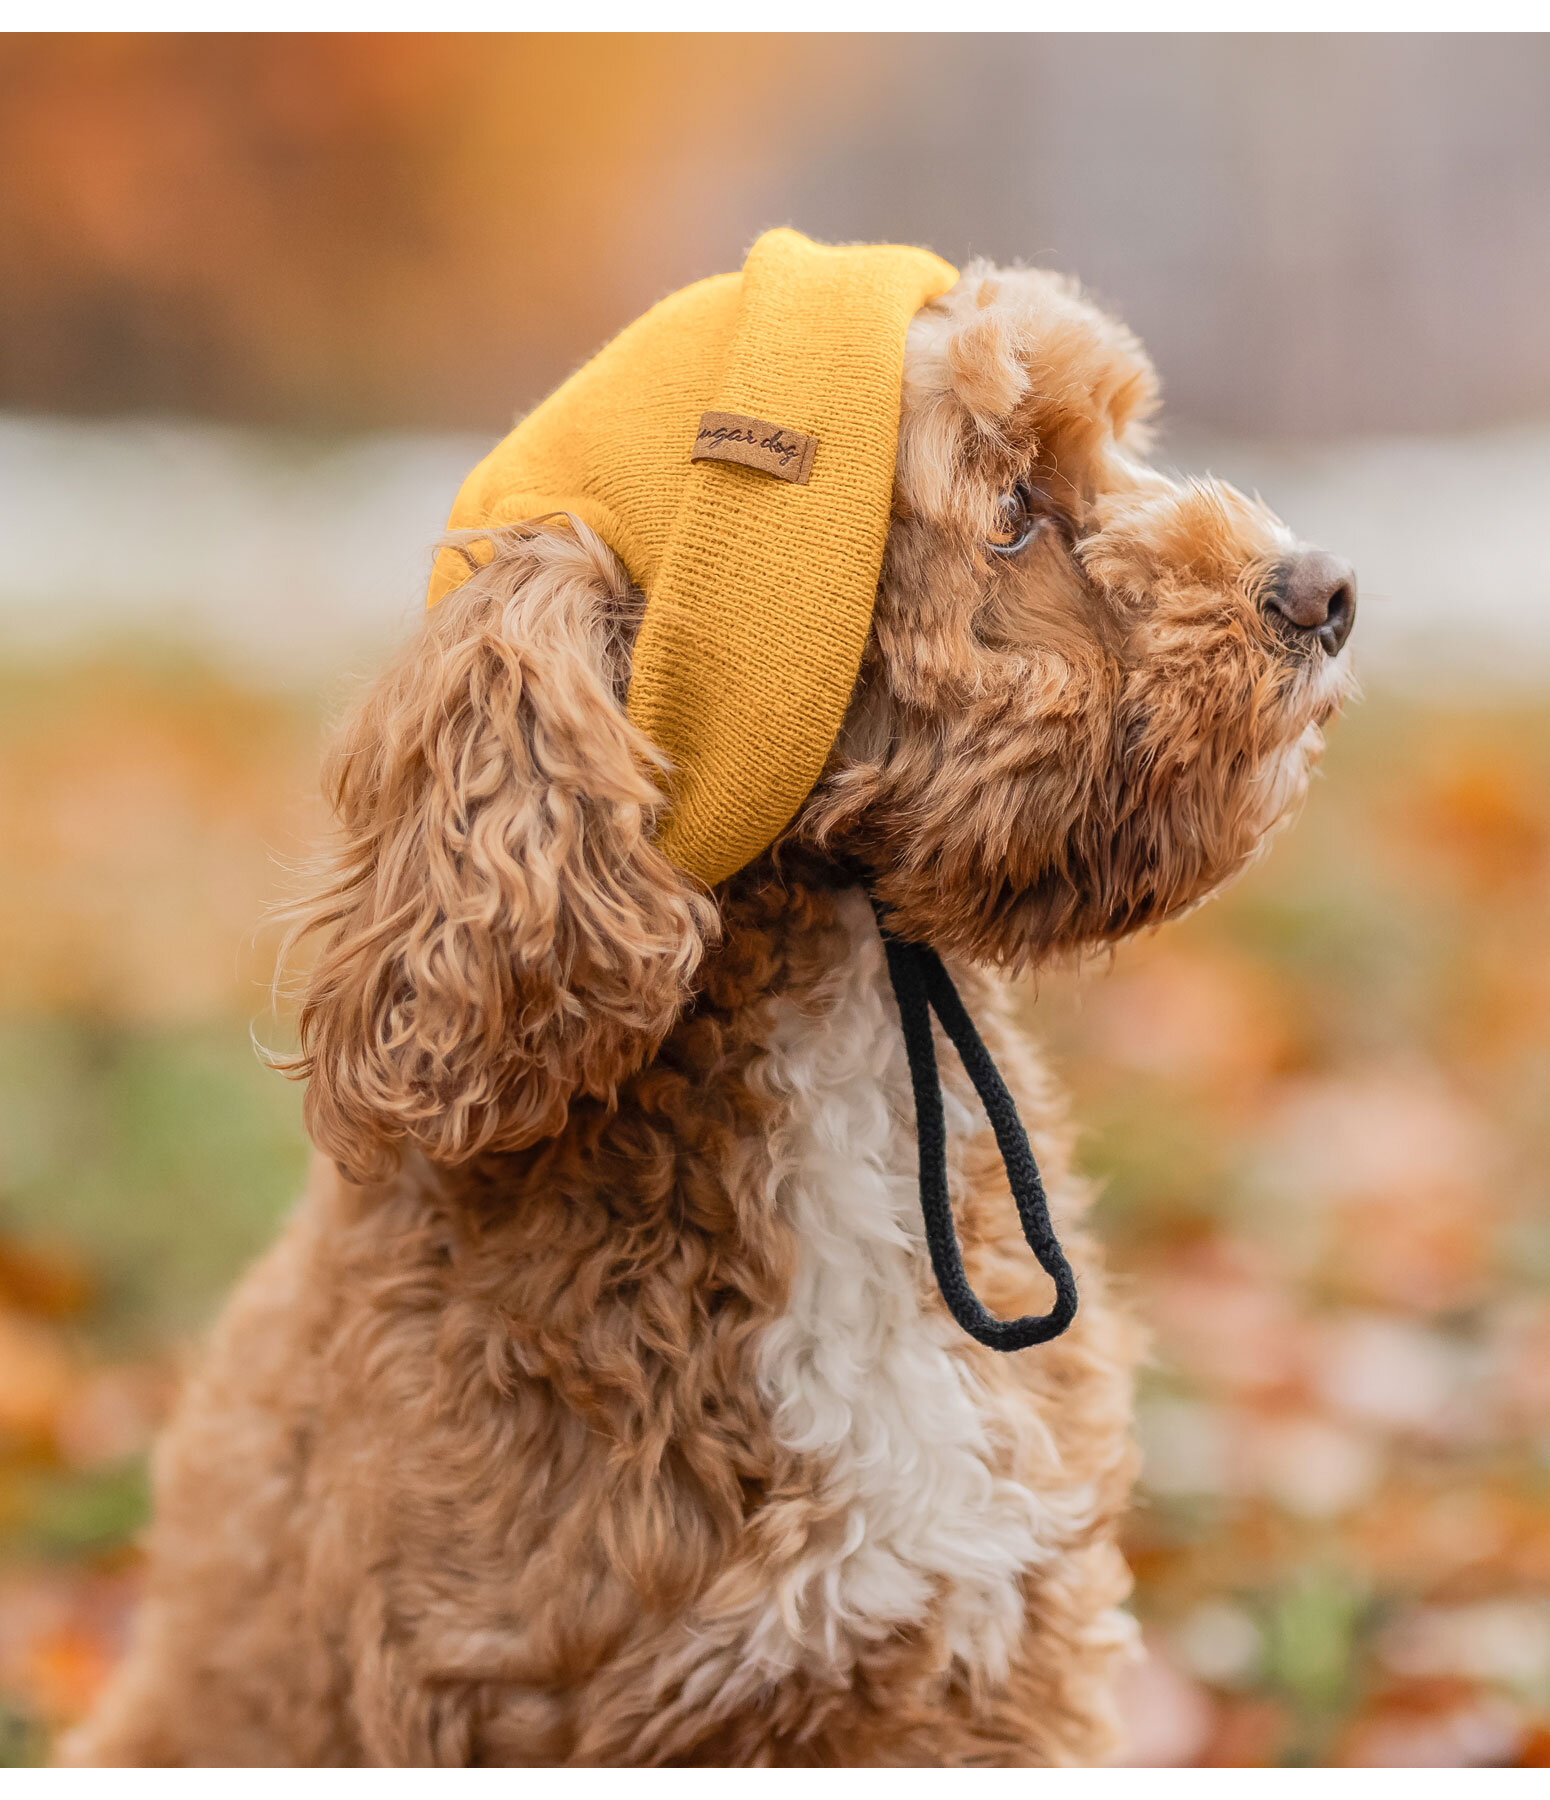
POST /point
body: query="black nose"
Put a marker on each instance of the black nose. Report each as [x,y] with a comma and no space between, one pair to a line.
[1315,593]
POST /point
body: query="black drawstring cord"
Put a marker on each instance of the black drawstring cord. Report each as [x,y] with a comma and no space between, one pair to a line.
[921,985]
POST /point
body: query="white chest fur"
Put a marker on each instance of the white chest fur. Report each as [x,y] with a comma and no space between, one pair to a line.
[867,1376]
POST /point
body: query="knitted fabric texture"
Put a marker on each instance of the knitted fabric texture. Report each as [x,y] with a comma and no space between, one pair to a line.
[759,590]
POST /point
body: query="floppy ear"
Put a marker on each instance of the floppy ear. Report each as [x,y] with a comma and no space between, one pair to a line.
[499,931]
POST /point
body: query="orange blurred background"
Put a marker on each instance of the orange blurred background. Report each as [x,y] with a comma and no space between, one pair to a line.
[265,300]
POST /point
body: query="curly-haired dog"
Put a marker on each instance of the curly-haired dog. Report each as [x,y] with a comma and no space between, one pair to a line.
[598,1404]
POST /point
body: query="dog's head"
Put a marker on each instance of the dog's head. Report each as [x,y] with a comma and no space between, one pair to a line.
[1091,691]
[1089,695]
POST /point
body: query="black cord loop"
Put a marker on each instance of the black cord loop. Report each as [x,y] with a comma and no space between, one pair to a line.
[921,985]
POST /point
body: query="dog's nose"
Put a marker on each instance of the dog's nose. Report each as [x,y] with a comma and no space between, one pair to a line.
[1315,592]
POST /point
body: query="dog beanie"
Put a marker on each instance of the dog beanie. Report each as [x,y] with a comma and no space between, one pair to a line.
[735,448]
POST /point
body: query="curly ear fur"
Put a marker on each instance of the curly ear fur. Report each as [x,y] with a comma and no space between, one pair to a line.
[498,930]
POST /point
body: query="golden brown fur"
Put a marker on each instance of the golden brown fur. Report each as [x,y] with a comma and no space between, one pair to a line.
[483,1464]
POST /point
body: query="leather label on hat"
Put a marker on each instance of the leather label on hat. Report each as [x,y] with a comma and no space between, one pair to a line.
[756,443]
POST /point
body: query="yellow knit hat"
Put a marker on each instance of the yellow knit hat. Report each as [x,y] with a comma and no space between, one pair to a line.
[734,447]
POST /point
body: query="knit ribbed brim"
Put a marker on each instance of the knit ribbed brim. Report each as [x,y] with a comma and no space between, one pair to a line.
[759,585]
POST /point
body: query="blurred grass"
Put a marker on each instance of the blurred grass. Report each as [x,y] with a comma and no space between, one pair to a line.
[1315,1109]
[74,1514]
[166,1155]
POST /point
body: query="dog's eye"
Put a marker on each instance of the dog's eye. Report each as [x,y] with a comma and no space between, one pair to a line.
[1016,521]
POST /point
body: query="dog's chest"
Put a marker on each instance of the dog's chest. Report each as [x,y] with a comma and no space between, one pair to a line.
[865,1374]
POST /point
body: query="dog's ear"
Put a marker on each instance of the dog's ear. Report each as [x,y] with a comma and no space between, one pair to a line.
[498,931]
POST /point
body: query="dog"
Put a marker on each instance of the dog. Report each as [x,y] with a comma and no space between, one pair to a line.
[597,1405]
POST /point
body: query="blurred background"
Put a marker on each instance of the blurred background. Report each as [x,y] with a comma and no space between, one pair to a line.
[265,301]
